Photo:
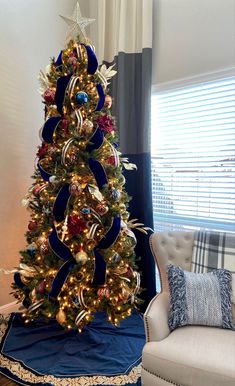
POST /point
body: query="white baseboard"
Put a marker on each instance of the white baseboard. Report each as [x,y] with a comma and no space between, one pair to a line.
[8,308]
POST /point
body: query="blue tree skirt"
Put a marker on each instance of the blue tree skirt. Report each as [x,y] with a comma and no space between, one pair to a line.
[42,353]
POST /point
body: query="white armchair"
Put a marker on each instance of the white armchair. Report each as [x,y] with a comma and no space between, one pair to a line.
[190,355]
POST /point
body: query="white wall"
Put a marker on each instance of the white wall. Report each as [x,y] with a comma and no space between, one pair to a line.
[192,37]
[31,32]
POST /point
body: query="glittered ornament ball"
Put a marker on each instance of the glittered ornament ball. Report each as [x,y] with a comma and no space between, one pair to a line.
[112,160]
[32,226]
[49,95]
[87,126]
[115,194]
[60,316]
[72,159]
[85,211]
[75,188]
[102,209]
[76,225]
[33,295]
[116,258]
[44,247]
[81,98]
[54,180]
[81,257]
[103,292]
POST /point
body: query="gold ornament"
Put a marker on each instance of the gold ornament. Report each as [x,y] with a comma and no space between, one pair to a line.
[122,207]
[81,257]
[87,126]
[52,111]
[60,316]
[108,101]
[33,295]
[125,215]
[126,292]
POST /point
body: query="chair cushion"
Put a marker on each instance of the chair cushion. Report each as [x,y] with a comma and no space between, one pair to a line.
[200,298]
[193,356]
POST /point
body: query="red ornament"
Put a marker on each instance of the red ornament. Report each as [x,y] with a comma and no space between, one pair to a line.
[112,160]
[76,225]
[49,95]
[36,190]
[41,288]
[65,125]
[33,225]
[102,209]
[105,123]
[73,158]
[108,102]
[42,150]
[129,273]
[103,292]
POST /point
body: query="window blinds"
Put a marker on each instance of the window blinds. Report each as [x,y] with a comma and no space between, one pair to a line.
[193,156]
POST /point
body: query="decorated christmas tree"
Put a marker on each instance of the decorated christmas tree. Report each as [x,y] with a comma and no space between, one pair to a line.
[80,255]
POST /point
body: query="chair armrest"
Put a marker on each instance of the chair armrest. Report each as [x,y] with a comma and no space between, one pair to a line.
[156,318]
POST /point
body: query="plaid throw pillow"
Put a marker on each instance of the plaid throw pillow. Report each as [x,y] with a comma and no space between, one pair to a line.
[199,298]
[213,250]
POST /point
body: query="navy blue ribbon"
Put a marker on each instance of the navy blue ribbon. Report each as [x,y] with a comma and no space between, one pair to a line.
[111,235]
[92,60]
[64,253]
[99,277]
[98,172]
[61,86]
[61,202]
[58,61]
[49,127]
[101,97]
[60,278]
[45,175]
[95,141]
[58,247]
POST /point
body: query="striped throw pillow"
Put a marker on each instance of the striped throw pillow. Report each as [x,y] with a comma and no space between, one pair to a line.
[200,298]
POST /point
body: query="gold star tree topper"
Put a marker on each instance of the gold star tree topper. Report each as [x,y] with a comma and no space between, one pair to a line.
[77,24]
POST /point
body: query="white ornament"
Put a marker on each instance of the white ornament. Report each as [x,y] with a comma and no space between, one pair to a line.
[53,180]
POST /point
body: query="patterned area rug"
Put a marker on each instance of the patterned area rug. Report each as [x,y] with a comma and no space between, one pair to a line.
[42,353]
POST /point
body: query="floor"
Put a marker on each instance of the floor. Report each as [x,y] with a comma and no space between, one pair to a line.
[6,382]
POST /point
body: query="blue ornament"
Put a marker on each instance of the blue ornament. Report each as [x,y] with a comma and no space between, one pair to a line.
[115,194]
[85,210]
[31,249]
[81,98]
[76,301]
[116,258]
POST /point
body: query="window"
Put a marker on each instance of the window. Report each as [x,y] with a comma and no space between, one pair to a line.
[193,155]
